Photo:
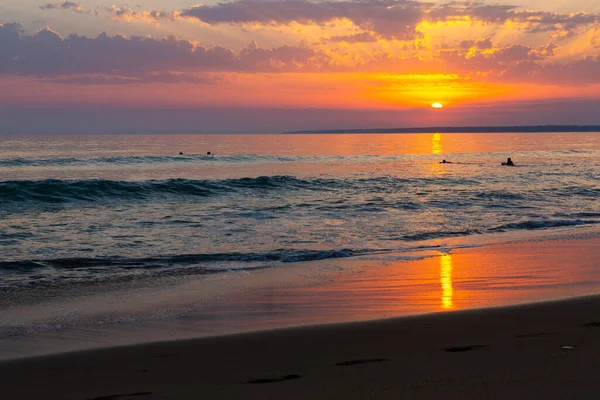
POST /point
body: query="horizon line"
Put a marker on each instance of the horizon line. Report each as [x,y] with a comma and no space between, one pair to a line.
[462,129]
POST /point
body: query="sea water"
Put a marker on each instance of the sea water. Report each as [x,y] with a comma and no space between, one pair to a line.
[102,209]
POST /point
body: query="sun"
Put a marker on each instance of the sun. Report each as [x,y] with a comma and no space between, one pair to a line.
[437,105]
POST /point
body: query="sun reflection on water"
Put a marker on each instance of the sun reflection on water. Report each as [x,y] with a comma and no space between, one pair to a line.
[446,281]
[436,144]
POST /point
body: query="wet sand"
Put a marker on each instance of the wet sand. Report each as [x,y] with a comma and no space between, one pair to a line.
[545,350]
[320,292]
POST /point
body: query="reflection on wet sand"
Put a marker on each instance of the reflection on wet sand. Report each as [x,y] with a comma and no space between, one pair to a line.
[324,291]
[446,281]
[365,288]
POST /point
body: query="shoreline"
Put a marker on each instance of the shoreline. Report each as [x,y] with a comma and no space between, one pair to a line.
[320,292]
[585,299]
[547,349]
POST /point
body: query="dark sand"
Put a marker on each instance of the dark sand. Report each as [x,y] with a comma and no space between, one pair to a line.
[500,353]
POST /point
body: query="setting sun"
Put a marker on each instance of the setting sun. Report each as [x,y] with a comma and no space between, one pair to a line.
[437,105]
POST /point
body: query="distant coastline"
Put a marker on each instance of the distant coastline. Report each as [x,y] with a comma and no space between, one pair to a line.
[464,129]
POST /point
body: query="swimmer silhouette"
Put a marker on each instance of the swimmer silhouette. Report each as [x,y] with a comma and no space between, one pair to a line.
[509,163]
[180,153]
[208,153]
[445,162]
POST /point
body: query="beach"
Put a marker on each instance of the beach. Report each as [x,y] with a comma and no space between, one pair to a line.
[323,266]
[528,338]
[548,350]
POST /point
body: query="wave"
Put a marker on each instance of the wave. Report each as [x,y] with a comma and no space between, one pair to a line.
[499,194]
[530,225]
[60,271]
[516,226]
[135,160]
[54,191]
[438,235]
[94,190]
[281,255]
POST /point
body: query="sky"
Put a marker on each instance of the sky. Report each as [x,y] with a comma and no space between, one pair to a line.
[161,66]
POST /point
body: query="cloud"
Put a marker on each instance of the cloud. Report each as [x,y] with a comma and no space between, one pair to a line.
[128,15]
[65,5]
[595,36]
[118,59]
[363,37]
[514,53]
[46,53]
[560,24]
[158,77]
[392,19]
[376,19]
[481,44]
[389,19]
[583,72]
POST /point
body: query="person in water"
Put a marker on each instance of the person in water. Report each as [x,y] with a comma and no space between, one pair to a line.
[180,153]
[509,162]
[445,162]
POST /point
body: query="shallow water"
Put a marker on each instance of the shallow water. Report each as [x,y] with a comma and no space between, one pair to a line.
[102,209]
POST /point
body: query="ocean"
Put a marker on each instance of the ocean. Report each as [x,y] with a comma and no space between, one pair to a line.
[114,240]
[100,209]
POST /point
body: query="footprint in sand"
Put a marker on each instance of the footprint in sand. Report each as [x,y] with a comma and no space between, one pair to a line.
[362,361]
[535,335]
[459,349]
[118,396]
[592,325]
[276,379]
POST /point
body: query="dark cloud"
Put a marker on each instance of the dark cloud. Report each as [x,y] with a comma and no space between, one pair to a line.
[595,40]
[46,54]
[481,44]
[515,53]
[548,51]
[159,77]
[532,21]
[65,5]
[484,44]
[138,60]
[392,19]
[363,37]
[467,44]
[387,19]
[582,72]
[521,64]
[127,14]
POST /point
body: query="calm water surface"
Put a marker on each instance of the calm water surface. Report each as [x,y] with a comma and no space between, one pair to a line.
[103,208]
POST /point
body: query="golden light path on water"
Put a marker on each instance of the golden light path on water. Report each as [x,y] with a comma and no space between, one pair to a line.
[446,281]
[436,143]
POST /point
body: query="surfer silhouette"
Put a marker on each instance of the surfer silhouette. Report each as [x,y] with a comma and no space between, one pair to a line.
[445,162]
[509,162]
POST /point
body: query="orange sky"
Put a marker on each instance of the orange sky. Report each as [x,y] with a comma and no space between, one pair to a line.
[367,55]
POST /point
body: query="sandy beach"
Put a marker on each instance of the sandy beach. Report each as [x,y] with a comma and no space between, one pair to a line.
[485,329]
[547,350]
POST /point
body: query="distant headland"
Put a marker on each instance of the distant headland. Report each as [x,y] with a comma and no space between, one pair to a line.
[466,129]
